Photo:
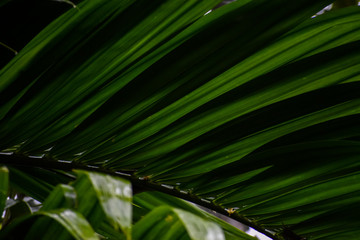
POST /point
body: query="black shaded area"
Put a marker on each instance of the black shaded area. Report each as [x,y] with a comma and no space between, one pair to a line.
[22,20]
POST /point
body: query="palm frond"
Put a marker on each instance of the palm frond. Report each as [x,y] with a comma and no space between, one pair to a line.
[253,107]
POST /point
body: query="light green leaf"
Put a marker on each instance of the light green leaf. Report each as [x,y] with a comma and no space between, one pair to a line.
[102,195]
[62,197]
[155,224]
[74,223]
[147,201]
[199,229]
[4,187]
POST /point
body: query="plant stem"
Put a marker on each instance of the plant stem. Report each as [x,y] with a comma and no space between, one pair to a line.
[9,48]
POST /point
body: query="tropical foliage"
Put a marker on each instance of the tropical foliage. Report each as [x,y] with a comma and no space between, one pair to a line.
[251,110]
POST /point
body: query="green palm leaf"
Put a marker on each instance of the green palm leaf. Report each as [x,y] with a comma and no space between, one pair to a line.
[251,109]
